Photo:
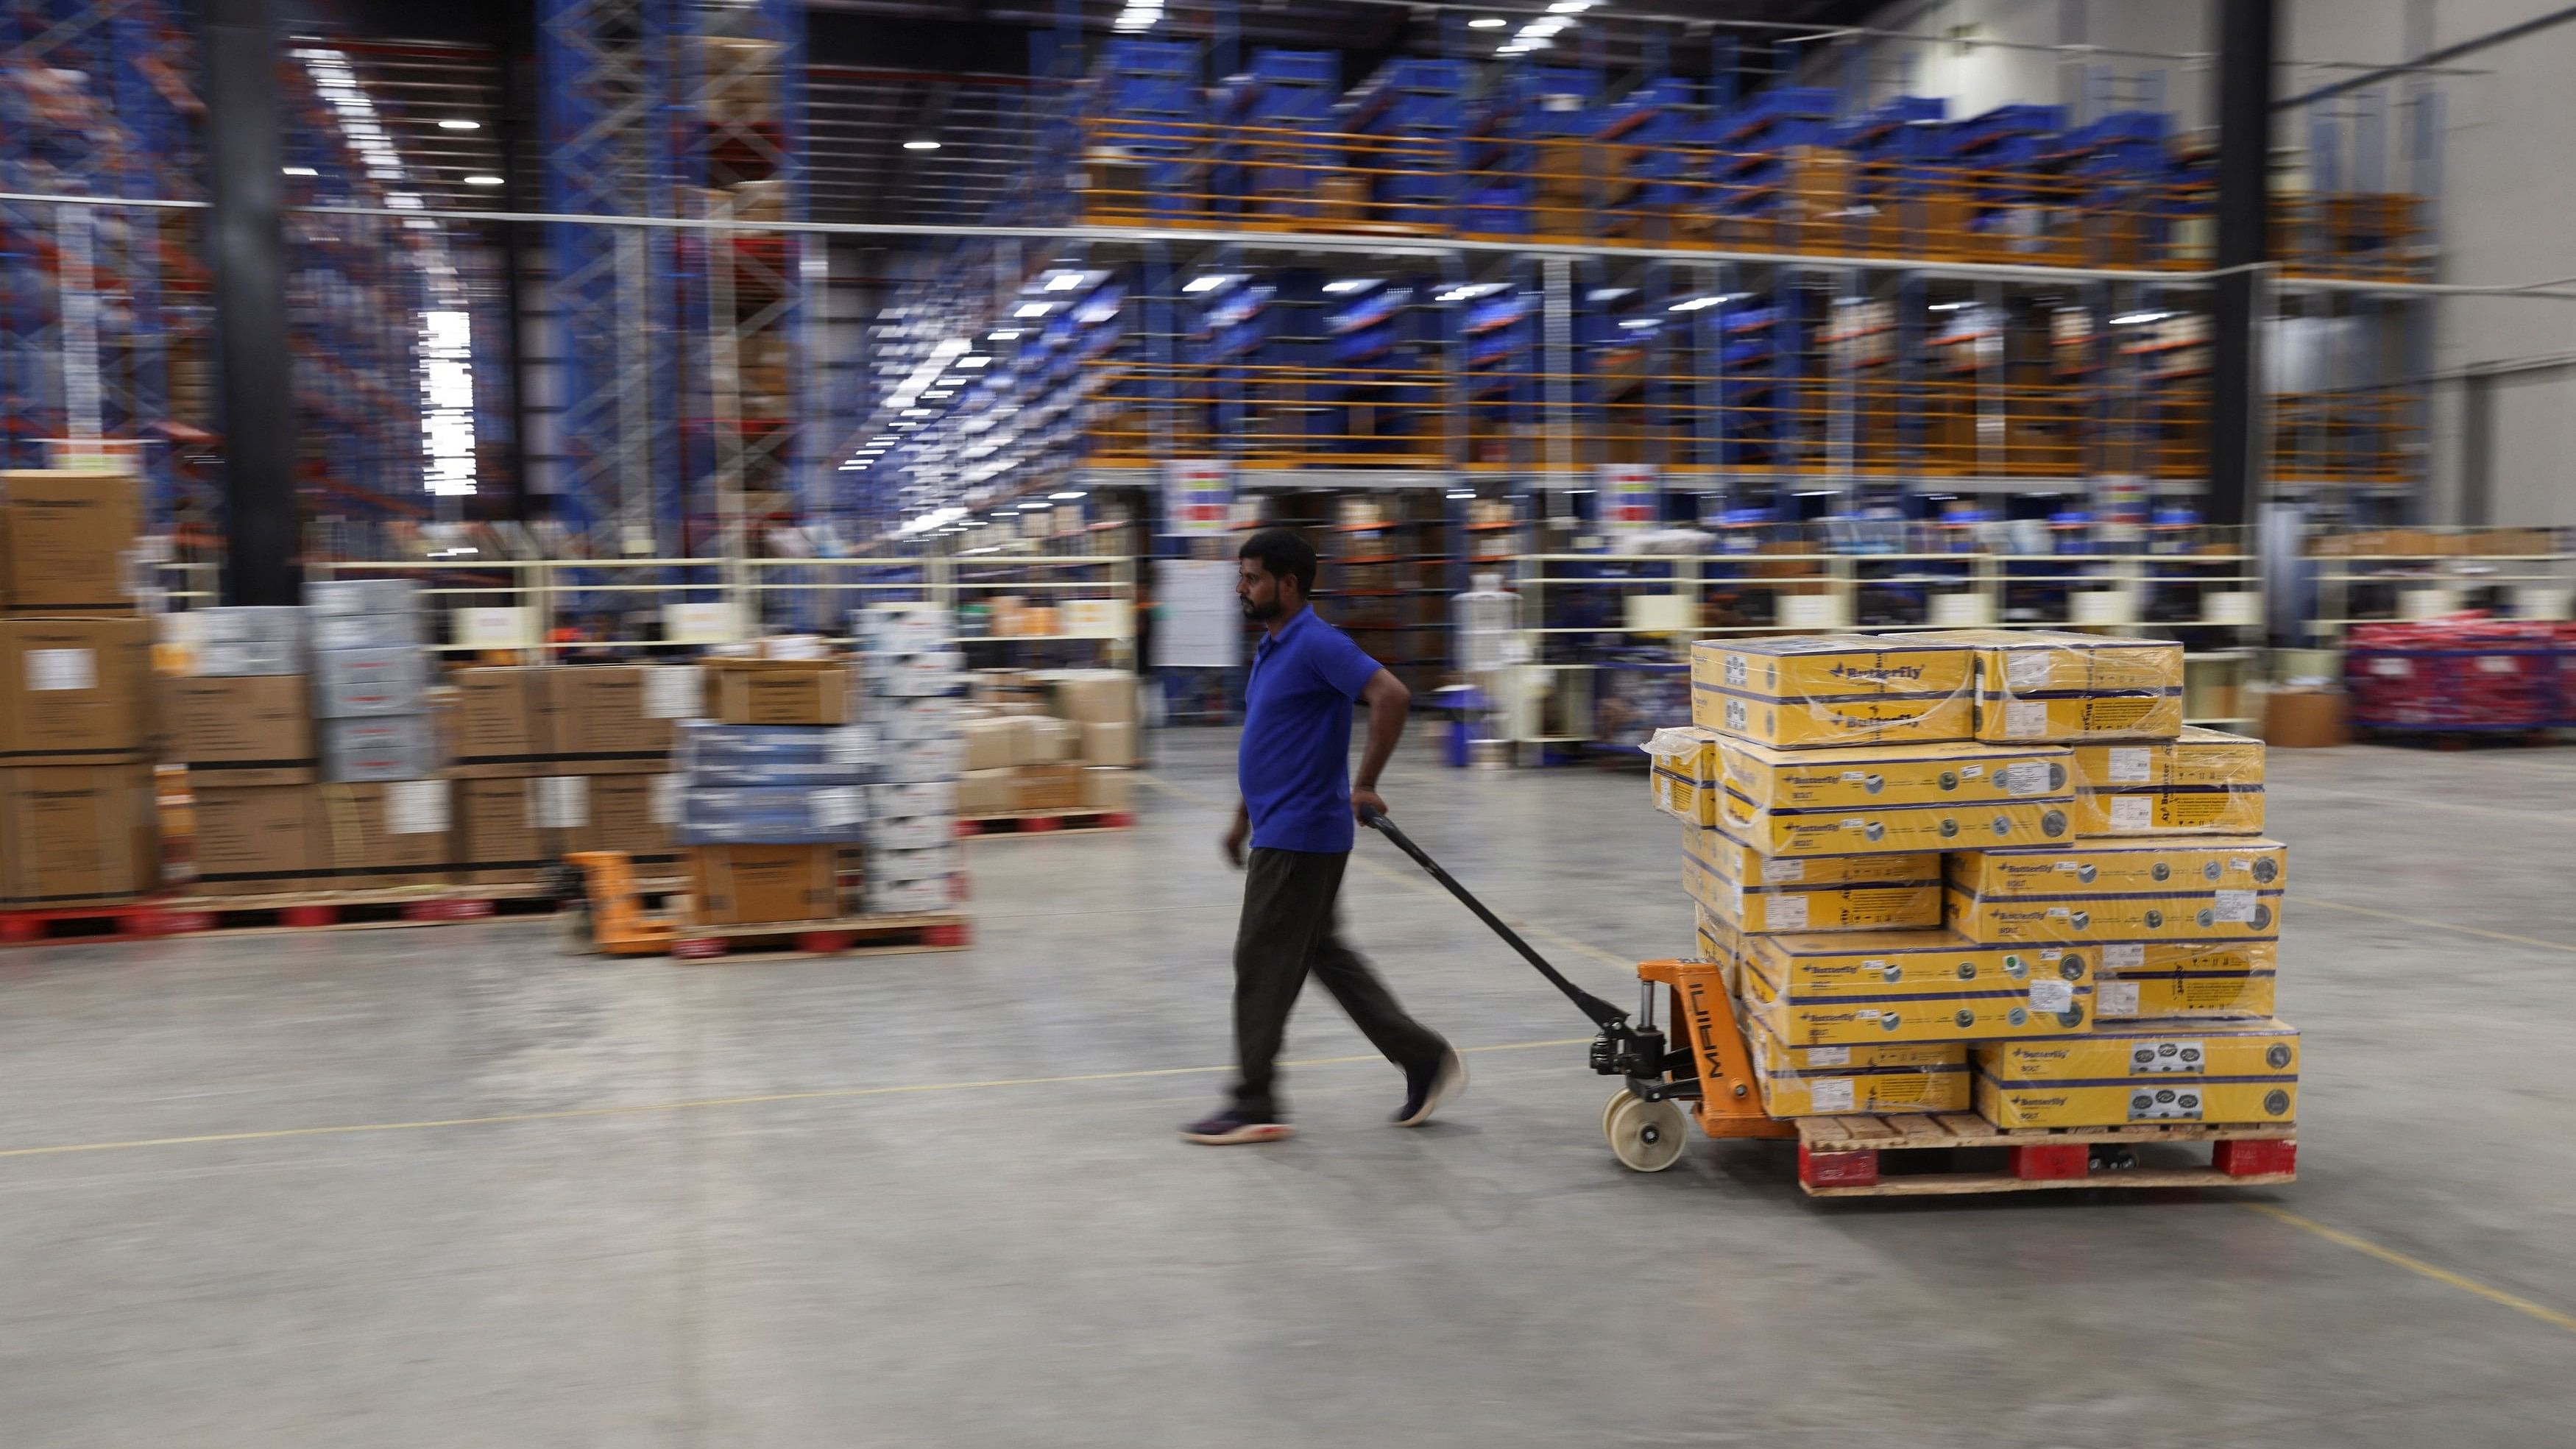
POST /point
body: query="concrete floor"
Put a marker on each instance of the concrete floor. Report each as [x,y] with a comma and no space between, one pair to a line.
[814,1202]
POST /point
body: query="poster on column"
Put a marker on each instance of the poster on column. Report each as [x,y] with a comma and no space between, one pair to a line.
[1198,493]
[1632,498]
[1201,623]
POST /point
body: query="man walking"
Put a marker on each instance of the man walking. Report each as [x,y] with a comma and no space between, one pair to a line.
[1298,806]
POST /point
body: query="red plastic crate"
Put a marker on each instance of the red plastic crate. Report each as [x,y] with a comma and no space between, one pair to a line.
[1836,1169]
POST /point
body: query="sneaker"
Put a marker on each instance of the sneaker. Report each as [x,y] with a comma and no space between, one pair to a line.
[1424,1094]
[1234,1125]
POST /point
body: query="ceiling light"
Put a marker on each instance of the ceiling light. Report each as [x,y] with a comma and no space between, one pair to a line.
[1349,284]
[1569,7]
[482,180]
[460,125]
[1464,493]
[1005,334]
[917,412]
[1064,281]
[1204,284]
[301,171]
[1071,493]
[1694,304]
[2136,317]
[1034,309]
[921,143]
[1546,27]
[1487,22]
[973,361]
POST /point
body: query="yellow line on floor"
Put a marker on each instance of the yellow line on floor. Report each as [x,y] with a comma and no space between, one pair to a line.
[2436,925]
[1415,884]
[2465,1284]
[836,1094]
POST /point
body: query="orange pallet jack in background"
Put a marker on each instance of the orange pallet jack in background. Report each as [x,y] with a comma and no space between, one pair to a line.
[607,915]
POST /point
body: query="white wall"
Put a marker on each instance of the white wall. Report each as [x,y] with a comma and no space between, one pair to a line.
[2506,169]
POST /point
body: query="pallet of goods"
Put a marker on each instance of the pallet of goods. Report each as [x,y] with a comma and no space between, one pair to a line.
[1974,913]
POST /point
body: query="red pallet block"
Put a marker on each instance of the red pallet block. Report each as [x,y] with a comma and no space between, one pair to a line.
[956,935]
[2051,1162]
[2255,1158]
[1836,1169]
[453,910]
[697,948]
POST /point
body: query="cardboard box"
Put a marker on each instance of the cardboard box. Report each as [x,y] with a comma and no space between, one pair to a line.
[362,683]
[901,833]
[2129,867]
[379,747]
[385,834]
[2093,919]
[258,657]
[920,760]
[1734,860]
[1893,905]
[2045,684]
[1093,696]
[2196,759]
[1963,1016]
[78,834]
[1872,799]
[1683,781]
[1047,787]
[367,631]
[504,721]
[917,717]
[1109,789]
[2185,978]
[601,718]
[778,691]
[1807,690]
[1883,964]
[258,840]
[2304,719]
[1109,743]
[937,862]
[496,839]
[1825,1081]
[906,898]
[242,730]
[75,691]
[338,598]
[741,885]
[987,792]
[1054,741]
[990,744]
[2164,1071]
[632,812]
[249,624]
[67,542]
[1717,939]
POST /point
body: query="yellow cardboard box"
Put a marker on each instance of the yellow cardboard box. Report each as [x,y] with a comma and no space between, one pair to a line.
[1684,777]
[2148,1071]
[1806,690]
[1735,860]
[1861,777]
[1718,939]
[1878,964]
[1897,828]
[2219,981]
[1960,1016]
[2139,867]
[2202,916]
[1824,1081]
[2204,783]
[1756,907]
[2042,684]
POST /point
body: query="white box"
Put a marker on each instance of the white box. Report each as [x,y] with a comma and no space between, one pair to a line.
[905,718]
[892,866]
[916,761]
[904,834]
[936,671]
[938,797]
[903,898]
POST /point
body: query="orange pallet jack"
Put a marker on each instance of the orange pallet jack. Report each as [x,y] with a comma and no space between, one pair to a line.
[1646,1120]
[609,916]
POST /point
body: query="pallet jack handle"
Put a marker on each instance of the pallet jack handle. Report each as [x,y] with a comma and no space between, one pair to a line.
[1603,1014]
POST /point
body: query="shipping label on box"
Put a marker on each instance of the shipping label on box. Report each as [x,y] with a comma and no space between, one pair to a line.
[253,657]
[1831,689]
[1887,905]
[905,834]
[760,884]
[2141,867]
[1878,1077]
[674,692]
[360,844]
[2166,1071]
[2170,810]
[2092,919]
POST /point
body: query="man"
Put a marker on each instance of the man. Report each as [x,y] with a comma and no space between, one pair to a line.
[1298,806]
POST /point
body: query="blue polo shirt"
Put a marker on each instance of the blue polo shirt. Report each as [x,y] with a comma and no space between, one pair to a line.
[1295,764]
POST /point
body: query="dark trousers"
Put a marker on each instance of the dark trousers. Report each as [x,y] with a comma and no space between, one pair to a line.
[1291,926]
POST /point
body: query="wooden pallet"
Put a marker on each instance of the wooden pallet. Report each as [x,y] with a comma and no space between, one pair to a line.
[1840,1156]
[341,910]
[846,936]
[1034,822]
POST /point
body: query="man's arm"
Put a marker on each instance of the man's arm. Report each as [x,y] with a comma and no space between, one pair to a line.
[1387,698]
[1236,834]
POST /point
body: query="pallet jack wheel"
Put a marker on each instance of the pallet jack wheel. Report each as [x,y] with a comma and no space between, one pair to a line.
[1618,1099]
[1648,1136]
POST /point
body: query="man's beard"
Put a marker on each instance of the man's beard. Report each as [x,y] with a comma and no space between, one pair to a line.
[1256,612]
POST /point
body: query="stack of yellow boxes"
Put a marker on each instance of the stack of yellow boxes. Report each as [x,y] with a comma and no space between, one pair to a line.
[1984,866]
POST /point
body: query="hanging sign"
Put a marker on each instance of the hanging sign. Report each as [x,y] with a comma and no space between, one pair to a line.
[1198,495]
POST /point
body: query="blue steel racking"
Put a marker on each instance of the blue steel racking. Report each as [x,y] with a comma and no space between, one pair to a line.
[92,298]
[1277,142]
[1415,113]
[1750,167]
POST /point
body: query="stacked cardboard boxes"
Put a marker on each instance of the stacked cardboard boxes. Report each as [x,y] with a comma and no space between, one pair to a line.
[1050,740]
[770,789]
[78,812]
[1982,866]
[913,676]
[370,681]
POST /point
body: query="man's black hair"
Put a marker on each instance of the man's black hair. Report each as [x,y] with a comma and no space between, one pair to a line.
[1282,554]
